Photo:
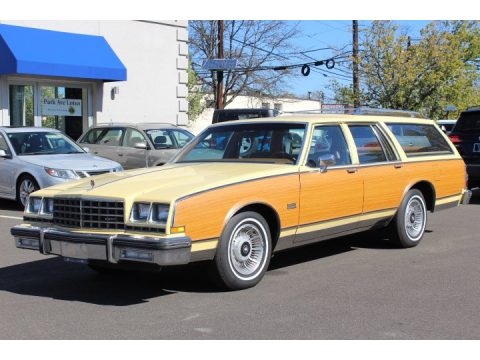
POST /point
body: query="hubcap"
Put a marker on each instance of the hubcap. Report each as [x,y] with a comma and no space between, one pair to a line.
[415,217]
[26,188]
[247,249]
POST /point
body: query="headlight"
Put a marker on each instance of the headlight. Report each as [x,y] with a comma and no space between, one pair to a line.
[61,173]
[117,169]
[47,206]
[160,213]
[140,212]
[34,205]
[150,213]
[39,206]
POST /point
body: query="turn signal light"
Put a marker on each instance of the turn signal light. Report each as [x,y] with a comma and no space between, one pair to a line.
[177,230]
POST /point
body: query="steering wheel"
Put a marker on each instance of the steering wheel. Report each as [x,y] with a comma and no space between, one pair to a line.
[283,155]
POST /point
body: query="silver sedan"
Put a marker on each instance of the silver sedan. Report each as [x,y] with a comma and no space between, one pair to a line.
[32,158]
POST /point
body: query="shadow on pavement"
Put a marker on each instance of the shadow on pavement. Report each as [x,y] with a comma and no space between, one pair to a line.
[10,205]
[54,278]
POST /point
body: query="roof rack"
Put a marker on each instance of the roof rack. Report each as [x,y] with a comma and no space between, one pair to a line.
[363,110]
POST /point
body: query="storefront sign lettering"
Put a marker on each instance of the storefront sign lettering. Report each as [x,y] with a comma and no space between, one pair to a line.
[61,107]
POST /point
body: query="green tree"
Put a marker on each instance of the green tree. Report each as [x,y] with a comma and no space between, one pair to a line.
[425,74]
[196,104]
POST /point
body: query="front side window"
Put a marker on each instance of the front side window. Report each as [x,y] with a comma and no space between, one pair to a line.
[162,139]
[369,147]
[43,143]
[259,142]
[328,144]
[420,139]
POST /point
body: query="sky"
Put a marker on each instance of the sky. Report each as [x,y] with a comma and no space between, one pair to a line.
[337,34]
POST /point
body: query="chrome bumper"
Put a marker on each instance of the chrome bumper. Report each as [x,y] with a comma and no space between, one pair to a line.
[466,196]
[111,248]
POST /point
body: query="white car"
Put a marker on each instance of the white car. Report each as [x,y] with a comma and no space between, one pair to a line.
[32,158]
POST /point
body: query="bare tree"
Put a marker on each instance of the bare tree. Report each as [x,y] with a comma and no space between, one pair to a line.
[255,44]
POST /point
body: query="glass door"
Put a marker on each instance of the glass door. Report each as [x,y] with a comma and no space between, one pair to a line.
[21,105]
[62,108]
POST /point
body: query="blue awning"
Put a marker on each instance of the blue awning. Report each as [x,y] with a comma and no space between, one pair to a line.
[28,51]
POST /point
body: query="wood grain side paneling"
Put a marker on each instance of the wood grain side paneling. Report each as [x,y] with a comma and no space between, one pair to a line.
[205,214]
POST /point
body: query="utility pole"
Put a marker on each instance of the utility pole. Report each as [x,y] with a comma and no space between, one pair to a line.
[356,83]
[220,72]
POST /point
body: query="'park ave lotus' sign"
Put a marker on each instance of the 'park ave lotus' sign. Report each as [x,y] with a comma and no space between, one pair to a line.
[61,107]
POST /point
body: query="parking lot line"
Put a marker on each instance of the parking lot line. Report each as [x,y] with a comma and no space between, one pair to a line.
[11,217]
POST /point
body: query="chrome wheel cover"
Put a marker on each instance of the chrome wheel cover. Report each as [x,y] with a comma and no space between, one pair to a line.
[415,218]
[247,249]
[26,188]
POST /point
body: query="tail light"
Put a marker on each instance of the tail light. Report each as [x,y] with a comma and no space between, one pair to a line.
[455,139]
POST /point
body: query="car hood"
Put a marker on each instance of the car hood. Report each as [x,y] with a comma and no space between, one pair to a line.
[166,183]
[82,161]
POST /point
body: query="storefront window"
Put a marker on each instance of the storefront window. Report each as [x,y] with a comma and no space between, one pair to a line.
[62,109]
[21,105]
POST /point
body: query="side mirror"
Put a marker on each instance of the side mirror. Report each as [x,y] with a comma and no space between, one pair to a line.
[3,154]
[140,145]
[324,161]
[86,149]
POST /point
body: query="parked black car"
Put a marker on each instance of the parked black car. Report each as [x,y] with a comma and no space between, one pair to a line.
[242,114]
[466,137]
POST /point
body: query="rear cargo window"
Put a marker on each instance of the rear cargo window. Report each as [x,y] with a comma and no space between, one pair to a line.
[468,121]
[420,139]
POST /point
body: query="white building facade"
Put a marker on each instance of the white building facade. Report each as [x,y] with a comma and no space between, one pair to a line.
[282,104]
[80,73]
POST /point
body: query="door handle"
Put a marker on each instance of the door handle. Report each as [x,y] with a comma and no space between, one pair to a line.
[397,166]
[120,154]
[352,171]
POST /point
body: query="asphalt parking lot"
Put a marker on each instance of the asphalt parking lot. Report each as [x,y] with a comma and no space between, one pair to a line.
[356,287]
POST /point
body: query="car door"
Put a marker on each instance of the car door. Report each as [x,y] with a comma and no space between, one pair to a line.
[104,142]
[331,198]
[7,169]
[382,172]
[130,154]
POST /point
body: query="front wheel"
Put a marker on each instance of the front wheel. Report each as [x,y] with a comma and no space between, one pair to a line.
[408,226]
[25,187]
[244,251]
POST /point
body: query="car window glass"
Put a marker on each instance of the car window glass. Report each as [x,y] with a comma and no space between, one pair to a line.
[92,136]
[133,137]
[420,139]
[110,137]
[43,143]
[328,144]
[4,145]
[369,148]
[257,142]
[181,137]
[162,139]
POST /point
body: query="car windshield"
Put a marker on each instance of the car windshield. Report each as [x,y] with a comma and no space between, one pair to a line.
[42,143]
[268,142]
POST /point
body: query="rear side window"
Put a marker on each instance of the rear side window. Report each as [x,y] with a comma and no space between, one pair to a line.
[92,136]
[420,139]
[468,121]
[369,147]
[110,137]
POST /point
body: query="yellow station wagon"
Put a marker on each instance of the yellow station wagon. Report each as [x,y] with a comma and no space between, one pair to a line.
[240,191]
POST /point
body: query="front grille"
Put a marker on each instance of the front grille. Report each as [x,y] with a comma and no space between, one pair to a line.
[84,173]
[91,214]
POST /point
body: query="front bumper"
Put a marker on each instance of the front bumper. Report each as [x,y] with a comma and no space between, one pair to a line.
[111,248]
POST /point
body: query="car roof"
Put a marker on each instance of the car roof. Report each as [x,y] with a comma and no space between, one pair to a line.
[26,129]
[142,126]
[330,118]
[446,121]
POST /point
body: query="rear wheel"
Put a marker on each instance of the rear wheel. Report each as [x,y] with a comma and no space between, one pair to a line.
[408,227]
[26,185]
[244,251]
